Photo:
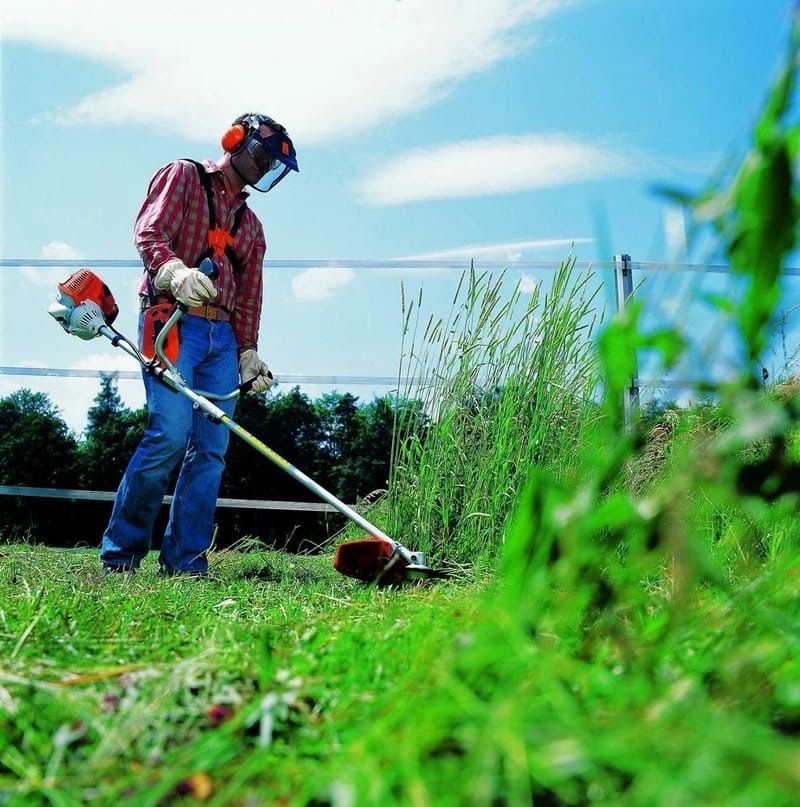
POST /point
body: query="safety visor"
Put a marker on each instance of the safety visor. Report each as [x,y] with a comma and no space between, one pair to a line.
[274,156]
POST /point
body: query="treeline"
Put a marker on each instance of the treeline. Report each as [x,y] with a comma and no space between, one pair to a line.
[341,443]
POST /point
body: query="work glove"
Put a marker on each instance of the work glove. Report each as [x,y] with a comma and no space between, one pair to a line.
[250,366]
[188,286]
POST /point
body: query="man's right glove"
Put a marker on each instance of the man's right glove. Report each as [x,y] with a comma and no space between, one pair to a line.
[189,286]
[250,366]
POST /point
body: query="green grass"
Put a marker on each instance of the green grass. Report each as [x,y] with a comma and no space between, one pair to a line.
[129,685]
[114,687]
[279,681]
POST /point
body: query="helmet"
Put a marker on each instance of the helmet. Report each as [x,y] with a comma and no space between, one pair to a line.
[260,160]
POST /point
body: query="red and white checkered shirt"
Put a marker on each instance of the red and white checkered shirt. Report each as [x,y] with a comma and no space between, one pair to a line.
[173,223]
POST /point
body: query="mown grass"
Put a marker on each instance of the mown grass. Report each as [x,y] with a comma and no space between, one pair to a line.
[280,682]
[127,687]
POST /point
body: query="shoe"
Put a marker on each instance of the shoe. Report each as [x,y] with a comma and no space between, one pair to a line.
[109,569]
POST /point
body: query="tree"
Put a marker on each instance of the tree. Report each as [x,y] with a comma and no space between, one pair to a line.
[365,466]
[36,446]
[111,437]
[37,449]
[289,425]
[344,446]
[338,423]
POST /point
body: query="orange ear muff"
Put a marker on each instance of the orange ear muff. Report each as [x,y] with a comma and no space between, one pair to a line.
[233,138]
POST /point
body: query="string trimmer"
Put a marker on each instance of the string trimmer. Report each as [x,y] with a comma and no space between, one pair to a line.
[85,308]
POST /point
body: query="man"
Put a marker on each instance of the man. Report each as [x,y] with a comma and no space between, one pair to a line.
[193,211]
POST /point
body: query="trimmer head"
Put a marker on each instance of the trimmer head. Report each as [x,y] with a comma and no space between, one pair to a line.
[375,561]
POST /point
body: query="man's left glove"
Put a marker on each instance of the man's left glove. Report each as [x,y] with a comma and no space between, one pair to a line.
[250,366]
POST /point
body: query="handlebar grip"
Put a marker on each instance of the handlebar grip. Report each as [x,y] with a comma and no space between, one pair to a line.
[246,386]
[209,268]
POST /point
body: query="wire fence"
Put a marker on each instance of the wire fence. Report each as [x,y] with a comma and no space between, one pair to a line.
[627,275]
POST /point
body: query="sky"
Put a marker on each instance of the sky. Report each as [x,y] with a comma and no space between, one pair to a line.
[510,130]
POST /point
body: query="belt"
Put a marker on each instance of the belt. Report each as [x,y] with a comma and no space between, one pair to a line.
[214,312]
[210,312]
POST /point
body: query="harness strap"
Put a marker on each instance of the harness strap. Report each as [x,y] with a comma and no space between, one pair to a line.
[154,297]
[220,242]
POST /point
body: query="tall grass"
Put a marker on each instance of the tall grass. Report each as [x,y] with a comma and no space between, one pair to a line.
[505,383]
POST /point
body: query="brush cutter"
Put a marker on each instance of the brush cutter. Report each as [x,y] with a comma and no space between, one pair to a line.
[85,308]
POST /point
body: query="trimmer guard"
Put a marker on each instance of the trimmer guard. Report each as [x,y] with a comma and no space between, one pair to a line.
[375,561]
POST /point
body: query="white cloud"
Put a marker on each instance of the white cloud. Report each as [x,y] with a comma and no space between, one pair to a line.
[60,251]
[493,165]
[509,250]
[74,396]
[528,285]
[675,232]
[107,362]
[319,282]
[50,277]
[324,69]
[43,277]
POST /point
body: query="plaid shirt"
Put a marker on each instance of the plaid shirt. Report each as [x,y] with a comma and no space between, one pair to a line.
[173,223]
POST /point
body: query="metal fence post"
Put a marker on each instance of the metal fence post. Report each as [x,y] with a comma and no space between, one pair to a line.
[623,282]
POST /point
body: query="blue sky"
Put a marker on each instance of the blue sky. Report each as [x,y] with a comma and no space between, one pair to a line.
[455,128]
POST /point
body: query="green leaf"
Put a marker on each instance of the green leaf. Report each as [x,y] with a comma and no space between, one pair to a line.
[668,342]
[617,345]
[724,304]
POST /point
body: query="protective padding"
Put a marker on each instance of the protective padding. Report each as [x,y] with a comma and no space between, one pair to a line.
[155,318]
[366,558]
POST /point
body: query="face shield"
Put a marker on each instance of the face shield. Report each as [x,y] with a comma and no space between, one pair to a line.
[262,161]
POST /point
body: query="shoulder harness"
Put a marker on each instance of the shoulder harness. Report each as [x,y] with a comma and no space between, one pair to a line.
[220,242]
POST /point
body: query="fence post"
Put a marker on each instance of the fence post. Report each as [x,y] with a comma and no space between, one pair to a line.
[623,282]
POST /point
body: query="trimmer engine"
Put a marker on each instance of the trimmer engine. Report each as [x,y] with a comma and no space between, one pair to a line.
[83,305]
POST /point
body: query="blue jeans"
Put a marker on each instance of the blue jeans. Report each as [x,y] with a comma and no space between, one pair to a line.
[207,361]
